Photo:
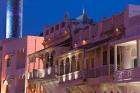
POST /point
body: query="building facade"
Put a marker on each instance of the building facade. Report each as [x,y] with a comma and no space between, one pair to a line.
[81,56]
[13,59]
[76,56]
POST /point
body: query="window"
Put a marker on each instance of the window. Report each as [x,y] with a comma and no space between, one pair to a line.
[92,62]
[78,65]
[112,56]
[8,62]
[8,59]
[73,64]
[63,25]
[135,63]
[105,58]
[1,48]
[57,27]
[62,68]
[52,29]
[47,32]
[21,58]
[87,64]
[67,66]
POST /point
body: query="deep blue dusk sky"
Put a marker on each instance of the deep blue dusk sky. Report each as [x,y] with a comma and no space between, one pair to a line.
[38,13]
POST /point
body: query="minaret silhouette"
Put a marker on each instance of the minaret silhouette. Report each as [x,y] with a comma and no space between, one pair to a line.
[14,18]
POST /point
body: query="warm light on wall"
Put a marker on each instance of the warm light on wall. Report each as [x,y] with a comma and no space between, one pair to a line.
[76,75]
[75,45]
[65,32]
[84,42]
[70,76]
[28,75]
[117,29]
[64,78]
[49,39]
[49,70]
[5,82]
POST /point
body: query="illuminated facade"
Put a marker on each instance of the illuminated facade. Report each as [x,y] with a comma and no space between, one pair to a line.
[76,56]
[81,56]
[13,59]
[14,19]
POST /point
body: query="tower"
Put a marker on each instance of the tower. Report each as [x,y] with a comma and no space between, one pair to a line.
[14,18]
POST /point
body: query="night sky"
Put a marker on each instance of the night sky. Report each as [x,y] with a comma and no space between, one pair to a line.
[38,13]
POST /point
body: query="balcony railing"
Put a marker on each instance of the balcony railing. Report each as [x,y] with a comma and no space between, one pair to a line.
[100,71]
[71,76]
[42,73]
[49,73]
[107,70]
[132,74]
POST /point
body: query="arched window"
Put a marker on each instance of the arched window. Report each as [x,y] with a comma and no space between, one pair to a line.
[73,64]
[78,62]
[47,60]
[21,57]
[62,67]
[52,58]
[8,59]
[67,69]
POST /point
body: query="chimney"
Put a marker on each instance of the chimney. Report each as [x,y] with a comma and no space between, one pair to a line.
[14,18]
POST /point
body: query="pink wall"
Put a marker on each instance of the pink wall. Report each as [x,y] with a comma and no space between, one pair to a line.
[11,47]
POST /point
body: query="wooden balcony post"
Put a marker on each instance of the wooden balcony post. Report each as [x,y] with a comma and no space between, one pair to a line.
[115,57]
[70,68]
[64,63]
[138,52]
[34,63]
[76,60]
[108,58]
[101,64]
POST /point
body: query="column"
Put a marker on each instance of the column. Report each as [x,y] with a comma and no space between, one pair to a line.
[39,63]
[84,58]
[59,67]
[102,72]
[76,60]
[34,63]
[64,63]
[138,52]
[108,59]
[127,59]
[115,57]
[101,60]
[49,61]
[70,60]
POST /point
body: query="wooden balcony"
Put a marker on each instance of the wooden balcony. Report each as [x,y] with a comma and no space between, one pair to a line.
[100,71]
[66,78]
[113,32]
[76,76]
[84,75]
[56,38]
[42,74]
